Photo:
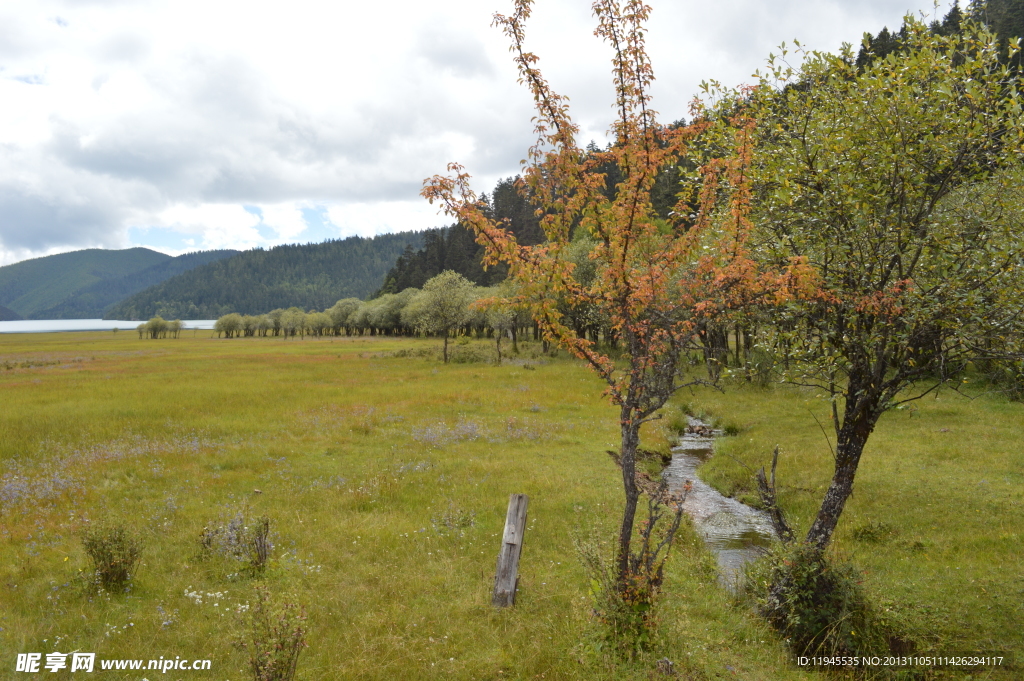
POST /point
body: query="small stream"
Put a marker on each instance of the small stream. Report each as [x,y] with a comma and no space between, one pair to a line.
[735,532]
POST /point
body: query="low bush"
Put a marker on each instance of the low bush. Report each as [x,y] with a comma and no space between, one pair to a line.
[115,552]
[874,532]
[818,604]
[760,368]
[627,610]
[1007,377]
[273,635]
[453,521]
[470,354]
[241,538]
[675,418]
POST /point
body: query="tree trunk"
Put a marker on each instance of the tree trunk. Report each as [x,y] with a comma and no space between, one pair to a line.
[859,420]
[515,340]
[446,346]
[736,355]
[630,441]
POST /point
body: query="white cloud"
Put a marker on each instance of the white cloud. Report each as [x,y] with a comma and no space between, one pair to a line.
[122,119]
[213,226]
[382,217]
[285,219]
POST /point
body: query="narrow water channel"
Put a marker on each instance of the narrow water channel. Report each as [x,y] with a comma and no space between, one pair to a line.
[735,532]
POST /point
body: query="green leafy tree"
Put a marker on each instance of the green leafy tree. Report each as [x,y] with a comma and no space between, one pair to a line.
[230,325]
[249,325]
[442,306]
[899,182]
[275,320]
[318,322]
[503,315]
[340,313]
[293,321]
[156,327]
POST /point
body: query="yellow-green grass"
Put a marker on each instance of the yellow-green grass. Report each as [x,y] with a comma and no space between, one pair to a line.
[937,515]
[357,457]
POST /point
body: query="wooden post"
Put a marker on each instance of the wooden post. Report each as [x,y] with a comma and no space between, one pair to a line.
[507,575]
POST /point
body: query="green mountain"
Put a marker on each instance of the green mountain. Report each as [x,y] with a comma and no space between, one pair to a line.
[8,315]
[310,276]
[31,286]
[93,301]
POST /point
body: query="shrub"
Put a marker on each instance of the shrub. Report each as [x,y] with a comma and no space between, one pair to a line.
[676,419]
[761,367]
[874,532]
[627,610]
[115,553]
[817,604]
[464,353]
[257,545]
[241,538]
[454,521]
[1007,377]
[273,635]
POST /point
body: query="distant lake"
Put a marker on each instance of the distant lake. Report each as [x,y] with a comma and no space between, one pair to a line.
[47,325]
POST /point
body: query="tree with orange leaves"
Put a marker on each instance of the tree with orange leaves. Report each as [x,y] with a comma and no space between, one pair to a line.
[653,281]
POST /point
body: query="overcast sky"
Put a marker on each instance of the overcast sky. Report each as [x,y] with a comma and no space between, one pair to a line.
[184,125]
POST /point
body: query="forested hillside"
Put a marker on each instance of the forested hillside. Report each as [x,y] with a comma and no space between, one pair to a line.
[455,248]
[312,276]
[92,301]
[1005,18]
[31,286]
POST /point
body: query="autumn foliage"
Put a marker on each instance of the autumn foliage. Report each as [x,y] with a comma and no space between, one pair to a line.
[654,281]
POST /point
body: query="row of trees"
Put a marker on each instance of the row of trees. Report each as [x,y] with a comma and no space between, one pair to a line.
[158,327]
[447,304]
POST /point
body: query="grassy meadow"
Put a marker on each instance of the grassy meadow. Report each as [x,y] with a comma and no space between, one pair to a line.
[386,475]
[386,479]
[937,515]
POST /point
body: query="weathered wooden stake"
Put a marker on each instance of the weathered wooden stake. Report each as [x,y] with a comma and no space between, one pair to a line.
[507,574]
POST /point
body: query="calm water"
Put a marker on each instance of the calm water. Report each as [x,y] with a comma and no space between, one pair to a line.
[47,325]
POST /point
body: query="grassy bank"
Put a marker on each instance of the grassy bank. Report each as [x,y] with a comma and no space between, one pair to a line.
[385,475]
[937,516]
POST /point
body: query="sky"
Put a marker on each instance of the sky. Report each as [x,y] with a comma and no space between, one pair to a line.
[183,125]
